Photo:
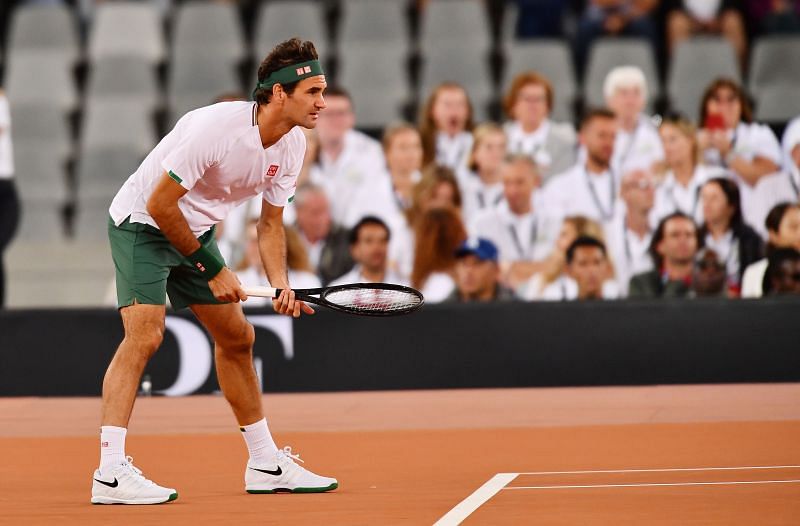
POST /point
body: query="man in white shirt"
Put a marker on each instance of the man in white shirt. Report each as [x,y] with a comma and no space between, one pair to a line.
[586,273]
[590,187]
[629,234]
[161,232]
[522,232]
[783,186]
[637,145]
[348,159]
[369,247]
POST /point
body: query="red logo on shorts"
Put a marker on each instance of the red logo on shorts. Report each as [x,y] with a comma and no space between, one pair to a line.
[273,169]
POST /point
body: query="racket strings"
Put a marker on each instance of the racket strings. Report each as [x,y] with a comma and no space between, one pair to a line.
[374,300]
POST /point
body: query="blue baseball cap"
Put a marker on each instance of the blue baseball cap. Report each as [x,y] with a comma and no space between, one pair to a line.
[479,247]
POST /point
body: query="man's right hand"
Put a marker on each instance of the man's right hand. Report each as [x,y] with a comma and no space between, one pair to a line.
[225,287]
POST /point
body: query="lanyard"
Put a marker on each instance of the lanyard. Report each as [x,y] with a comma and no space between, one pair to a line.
[482,199]
[795,187]
[605,215]
[524,254]
[675,201]
[629,149]
[441,153]
[628,251]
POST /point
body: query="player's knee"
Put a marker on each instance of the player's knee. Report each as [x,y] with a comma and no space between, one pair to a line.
[240,340]
[146,338]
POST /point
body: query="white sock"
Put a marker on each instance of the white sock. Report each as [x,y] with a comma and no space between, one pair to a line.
[259,442]
[112,446]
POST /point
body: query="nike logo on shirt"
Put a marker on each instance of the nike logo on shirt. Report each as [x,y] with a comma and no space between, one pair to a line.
[109,484]
[268,472]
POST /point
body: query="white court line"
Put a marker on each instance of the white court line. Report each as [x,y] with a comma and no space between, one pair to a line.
[467,506]
[731,483]
[670,470]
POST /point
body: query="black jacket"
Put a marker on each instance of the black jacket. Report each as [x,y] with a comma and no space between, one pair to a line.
[751,246]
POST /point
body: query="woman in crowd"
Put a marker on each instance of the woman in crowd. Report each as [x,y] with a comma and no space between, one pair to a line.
[679,190]
[446,126]
[729,138]
[480,182]
[547,283]
[725,232]
[783,226]
[9,202]
[389,195]
[251,270]
[528,103]
[438,188]
[637,145]
[438,233]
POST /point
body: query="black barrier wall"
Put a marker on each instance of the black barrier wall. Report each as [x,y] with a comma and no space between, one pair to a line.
[65,353]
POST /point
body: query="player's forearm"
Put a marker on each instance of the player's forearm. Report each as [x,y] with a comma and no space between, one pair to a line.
[272,247]
[173,225]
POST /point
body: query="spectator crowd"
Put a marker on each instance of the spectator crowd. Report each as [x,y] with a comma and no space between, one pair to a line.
[626,205]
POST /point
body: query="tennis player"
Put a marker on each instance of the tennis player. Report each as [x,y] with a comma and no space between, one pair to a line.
[161,232]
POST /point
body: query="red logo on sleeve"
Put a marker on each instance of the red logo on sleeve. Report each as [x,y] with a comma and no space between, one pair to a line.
[273,169]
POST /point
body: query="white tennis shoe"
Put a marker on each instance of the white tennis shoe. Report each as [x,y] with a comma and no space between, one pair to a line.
[125,484]
[285,476]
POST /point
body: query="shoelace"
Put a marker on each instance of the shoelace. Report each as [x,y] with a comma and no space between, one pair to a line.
[137,471]
[288,452]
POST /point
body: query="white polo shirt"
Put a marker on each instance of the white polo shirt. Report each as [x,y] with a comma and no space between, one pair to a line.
[528,237]
[360,161]
[671,196]
[628,252]
[577,192]
[748,141]
[453,152]
[6,151]
[476,195]
[356,276]
[216,154]
[566,289]
[637,150]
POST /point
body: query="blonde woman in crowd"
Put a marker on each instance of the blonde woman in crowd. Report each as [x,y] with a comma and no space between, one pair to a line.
[438,188]
[439,232]
[446,126]
[481,181]
[528,103]
[547,283]
[683,174]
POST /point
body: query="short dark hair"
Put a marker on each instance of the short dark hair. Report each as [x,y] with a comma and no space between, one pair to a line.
[776,260]
[338,91]
[286,53]
[584,241]
[774,220]
[366,221]
[595,113]
[720,83]
[658,236]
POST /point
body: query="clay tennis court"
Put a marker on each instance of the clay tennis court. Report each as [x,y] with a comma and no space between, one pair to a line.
[625,455]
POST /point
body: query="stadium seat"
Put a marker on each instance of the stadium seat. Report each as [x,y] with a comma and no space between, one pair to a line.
[695,64]
[375,78]
[373,21]
[37,126]
[609,53]
[451,63]
[208,29]
[775,60]
[91,219]
[196,82]
[465,22]
[42,220]
[125,29]
[40,174]
[283,19]
[36,77]
[50,29]
[551,58]
[125,79]
[115,123]
[778,104]
[102,170]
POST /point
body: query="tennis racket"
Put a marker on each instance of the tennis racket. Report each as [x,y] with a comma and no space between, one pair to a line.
[365,299]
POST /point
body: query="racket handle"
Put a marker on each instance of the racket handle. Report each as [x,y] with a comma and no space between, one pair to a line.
[262,292]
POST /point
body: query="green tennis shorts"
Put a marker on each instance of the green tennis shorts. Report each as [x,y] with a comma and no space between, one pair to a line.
[148,267]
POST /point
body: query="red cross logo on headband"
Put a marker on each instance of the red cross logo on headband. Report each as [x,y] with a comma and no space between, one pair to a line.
[273,169]
[303,70]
